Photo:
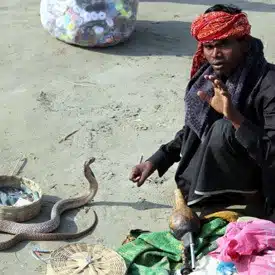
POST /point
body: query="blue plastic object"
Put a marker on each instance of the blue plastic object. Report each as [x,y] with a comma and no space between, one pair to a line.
[226,268]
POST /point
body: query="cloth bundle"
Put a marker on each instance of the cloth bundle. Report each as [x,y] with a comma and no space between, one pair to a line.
[89,23]
[249,245]
[159,253]
[10,196]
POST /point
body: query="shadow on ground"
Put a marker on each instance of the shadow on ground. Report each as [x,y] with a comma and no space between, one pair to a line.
[139,205]
[245,5]
[69,221]
[165,38]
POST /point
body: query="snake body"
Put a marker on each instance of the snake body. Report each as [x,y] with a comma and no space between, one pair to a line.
[40,231]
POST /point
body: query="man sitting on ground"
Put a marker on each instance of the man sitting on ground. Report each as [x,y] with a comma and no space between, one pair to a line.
[227,145]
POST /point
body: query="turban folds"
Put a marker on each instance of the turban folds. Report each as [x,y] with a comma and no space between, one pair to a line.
[216,25]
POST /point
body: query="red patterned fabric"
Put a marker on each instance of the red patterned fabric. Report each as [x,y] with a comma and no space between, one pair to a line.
[216,26]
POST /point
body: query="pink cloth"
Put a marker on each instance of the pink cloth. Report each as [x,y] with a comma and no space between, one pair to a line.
[250,246]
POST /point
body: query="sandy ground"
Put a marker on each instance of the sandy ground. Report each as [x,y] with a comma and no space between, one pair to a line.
[125,101]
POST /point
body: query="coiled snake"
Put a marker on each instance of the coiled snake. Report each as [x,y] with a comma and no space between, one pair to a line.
[40,231]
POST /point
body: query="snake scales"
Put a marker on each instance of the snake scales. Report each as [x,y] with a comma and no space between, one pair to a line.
[40,231]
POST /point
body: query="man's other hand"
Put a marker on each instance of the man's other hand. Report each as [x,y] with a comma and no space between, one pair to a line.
[141,172]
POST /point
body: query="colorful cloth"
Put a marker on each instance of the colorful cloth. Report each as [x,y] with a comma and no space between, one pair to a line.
[216,26]
[250,246]
[159,253]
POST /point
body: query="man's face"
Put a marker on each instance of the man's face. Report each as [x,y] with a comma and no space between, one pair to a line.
[224,55]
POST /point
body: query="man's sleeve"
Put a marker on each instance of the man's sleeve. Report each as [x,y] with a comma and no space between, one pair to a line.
[168,153]
[260,142]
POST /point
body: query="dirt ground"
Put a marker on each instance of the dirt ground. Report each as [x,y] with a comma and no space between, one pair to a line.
[124,101]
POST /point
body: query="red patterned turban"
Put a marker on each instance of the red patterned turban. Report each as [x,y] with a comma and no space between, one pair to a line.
[213,26]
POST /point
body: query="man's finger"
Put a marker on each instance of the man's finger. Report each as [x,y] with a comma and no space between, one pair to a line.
[139,183]
[204,96]
[135,179]
[135,175]
[220,85]
[141,180]
[217,83]
[210,77]
[143,177]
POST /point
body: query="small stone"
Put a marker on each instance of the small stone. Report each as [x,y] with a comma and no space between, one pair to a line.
[157,107]
[53,186]
[109,175]
[141,127]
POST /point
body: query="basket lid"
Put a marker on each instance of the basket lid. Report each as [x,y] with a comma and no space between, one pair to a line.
[85,259]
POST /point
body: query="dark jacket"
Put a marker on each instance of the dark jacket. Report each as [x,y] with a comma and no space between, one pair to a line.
[256,135]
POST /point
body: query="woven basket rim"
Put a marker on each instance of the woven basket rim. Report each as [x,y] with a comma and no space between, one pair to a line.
[120,259]
[24,179]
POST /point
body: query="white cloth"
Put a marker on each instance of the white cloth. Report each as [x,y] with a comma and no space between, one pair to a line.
[207,265]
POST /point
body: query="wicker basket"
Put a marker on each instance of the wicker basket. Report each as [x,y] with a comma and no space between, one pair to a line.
[81,258]
[20,213]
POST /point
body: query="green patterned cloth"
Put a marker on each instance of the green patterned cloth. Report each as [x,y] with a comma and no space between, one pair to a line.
[159,253]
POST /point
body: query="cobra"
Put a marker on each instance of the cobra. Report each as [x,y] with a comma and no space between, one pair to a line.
[41,231]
